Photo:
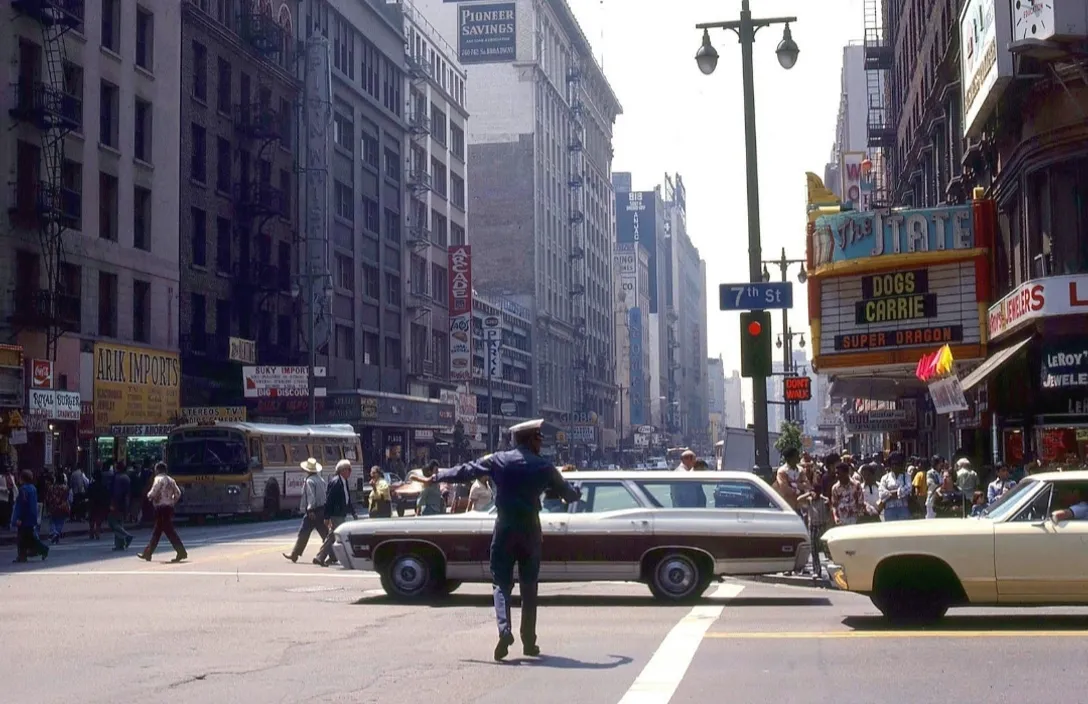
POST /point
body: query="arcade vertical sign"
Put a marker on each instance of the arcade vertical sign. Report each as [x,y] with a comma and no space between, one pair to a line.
[460,267]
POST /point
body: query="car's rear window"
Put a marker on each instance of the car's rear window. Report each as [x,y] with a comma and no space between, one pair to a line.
[723,493]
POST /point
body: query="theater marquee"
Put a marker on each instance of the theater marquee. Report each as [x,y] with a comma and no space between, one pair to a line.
[923,307]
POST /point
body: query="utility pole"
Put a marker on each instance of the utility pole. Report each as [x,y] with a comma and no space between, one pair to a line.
[787,345]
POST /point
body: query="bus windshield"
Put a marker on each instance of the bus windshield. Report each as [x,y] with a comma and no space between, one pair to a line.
[206,455]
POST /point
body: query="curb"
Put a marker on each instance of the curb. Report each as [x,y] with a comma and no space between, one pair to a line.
[791,581]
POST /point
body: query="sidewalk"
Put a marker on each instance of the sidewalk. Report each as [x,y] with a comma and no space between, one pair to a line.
[72,529]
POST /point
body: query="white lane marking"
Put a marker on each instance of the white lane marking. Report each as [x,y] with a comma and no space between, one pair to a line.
[658,681]
[174,572]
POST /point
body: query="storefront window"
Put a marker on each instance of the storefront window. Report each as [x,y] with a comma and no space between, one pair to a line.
[1013,443]
[1062,448]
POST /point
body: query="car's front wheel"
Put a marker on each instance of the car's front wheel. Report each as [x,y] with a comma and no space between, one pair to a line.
[678,577]
[410,576]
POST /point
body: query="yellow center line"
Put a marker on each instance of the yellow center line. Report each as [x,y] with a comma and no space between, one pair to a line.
[845,635]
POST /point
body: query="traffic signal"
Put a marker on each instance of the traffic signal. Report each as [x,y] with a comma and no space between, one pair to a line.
[755,344]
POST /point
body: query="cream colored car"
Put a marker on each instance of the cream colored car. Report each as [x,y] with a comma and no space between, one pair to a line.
[1014,555]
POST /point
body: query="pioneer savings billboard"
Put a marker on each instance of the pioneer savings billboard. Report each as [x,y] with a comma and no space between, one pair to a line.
[636,221]
[486,34]
[888,287]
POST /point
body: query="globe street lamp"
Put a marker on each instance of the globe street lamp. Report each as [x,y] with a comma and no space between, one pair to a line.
[707,59]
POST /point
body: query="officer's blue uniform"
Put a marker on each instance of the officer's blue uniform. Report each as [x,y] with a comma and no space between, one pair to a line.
[520,477]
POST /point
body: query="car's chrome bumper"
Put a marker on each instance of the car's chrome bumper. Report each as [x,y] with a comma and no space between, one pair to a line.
[837,575]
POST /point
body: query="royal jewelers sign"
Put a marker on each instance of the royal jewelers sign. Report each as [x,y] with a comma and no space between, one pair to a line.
[919,307]
[460,277]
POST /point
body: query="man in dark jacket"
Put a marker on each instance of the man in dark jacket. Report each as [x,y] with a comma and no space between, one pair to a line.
[337,507]
[520,476]
[25,519]
[120,498]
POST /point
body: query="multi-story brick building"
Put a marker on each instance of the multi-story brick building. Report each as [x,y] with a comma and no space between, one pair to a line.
[437,206]
[543,218]
[89,212]
[239,195]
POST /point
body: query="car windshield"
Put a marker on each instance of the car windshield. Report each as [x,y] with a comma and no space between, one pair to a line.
[1000,509]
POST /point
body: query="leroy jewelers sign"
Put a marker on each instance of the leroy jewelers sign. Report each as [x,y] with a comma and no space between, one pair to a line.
[1065,368]
[1036,299]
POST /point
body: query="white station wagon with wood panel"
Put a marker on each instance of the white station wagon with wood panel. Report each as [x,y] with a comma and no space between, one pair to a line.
[675,531]
[1016,554]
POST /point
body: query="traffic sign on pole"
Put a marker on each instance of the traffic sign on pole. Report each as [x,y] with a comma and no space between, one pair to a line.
[756,296]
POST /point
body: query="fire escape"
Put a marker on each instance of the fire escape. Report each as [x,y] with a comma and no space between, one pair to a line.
[419,301]
[49,205]
[578,269]
[257,281]
[879,59]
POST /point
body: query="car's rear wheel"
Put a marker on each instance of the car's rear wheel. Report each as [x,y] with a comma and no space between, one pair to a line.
[906,605]
[410,576]
[678,577]
[449,587]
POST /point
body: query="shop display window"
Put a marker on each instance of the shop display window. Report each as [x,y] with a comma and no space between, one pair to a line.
[1062,448]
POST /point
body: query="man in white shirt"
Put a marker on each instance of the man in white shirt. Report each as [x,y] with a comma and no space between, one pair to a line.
[312,505]
[164,496]
[966,477]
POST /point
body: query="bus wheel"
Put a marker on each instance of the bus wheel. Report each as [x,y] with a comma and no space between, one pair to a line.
[271,509]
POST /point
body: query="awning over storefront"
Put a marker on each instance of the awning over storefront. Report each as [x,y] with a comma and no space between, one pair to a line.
[991,365]
[845,387]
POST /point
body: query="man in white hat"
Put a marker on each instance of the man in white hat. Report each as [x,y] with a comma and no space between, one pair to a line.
[312,506]
[519,476]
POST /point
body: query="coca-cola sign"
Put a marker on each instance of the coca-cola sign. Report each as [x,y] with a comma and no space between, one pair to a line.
[460,265]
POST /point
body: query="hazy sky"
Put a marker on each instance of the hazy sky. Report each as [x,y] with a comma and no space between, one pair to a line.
[677,120]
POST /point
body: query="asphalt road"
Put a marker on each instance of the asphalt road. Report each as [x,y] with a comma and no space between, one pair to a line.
[238,623]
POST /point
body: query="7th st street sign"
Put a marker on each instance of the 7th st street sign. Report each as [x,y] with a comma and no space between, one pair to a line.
[756,296]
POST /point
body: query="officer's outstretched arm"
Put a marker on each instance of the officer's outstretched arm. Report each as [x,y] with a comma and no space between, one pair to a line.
[467,472]
[563,488]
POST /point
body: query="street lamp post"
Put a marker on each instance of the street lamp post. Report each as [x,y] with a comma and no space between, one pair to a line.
[787,335]
[707,59]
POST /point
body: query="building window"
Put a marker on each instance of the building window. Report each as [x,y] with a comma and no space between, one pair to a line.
[285,188]
[345,342]
[371,282]
[224,169]
[392,225]
[457,191]
[198,323]
[370,215]
[198,159]
[439,229]
[392,165]
[222,245]
[370,149]
[199,236]
[345,202]
[457,142]
[392,289]
[343,130]
[107,304]
[200,71]
[223,87]
[345,273]
[343,51]
[145,36]
[71,180]
[141,219]
[142,131]
[222,317]
[417,275]
[439,284]
[392,353]
[73,86]
[108,207]
[108,112]
[457,234]
[392,79]
[438,125]
[370,72]
[111,25]
[438,177]
[370,348]
[141,311]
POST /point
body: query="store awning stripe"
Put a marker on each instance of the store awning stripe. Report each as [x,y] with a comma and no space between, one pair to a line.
[992,364]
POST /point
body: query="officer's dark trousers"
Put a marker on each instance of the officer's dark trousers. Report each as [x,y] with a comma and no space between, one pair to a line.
[516,546]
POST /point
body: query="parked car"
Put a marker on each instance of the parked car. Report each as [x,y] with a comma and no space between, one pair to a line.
[630,525]
[1013,555]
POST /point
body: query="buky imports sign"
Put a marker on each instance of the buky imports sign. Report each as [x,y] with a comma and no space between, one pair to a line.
[260,382]
[486,34]
[849,236]
[1037,299]
[923,307]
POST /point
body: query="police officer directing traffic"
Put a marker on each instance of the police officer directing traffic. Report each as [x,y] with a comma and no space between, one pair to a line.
[519,476]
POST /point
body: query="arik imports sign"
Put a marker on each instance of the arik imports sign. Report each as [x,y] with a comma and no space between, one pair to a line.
[852,235]
[922,307]
[486,34]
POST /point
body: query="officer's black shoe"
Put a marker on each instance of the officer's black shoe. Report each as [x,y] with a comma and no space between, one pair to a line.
[502,648]
[530,651]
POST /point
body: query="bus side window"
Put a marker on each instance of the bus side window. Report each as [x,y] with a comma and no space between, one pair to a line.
[332,454]
[298,453]
[255,450]
[350,453]
[275,455]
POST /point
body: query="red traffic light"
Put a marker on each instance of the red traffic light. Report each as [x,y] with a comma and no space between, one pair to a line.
[755,328]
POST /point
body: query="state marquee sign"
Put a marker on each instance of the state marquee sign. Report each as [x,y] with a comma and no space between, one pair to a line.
[923,307]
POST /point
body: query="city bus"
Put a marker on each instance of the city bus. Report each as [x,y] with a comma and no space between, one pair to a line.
[231,468]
